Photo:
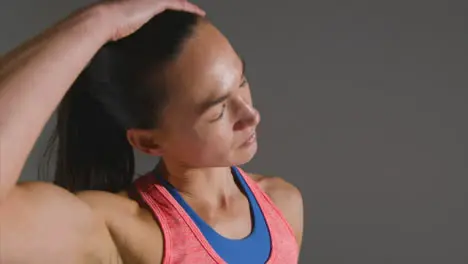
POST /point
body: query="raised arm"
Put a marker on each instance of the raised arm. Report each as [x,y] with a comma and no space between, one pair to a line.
[35,76]
[33,79]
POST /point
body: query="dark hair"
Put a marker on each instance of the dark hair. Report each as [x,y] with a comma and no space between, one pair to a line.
[111,95]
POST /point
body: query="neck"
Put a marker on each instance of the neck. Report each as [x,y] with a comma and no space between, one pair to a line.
[213,185]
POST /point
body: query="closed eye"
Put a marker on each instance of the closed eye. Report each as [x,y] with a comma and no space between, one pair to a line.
[221,114]
[244,82]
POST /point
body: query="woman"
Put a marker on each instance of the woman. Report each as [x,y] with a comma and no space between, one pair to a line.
[173,88]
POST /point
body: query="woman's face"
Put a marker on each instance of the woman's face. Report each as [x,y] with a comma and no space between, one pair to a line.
[209,120]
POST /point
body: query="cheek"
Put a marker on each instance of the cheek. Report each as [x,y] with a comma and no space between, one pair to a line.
[207,147]
[201,139]
[214,136]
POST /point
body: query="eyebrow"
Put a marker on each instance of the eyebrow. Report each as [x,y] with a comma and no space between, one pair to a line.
[212,102]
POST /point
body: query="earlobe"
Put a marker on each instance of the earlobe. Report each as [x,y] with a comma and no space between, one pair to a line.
[145,141]
[154,151]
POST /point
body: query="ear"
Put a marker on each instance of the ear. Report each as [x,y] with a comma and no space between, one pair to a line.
[145,140]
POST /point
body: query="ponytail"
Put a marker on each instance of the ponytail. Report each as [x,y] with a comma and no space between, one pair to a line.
[93,152]
[121,88]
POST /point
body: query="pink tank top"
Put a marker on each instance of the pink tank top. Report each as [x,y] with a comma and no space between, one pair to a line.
[185,244]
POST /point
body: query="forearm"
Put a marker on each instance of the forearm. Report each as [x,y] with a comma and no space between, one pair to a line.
[33,80]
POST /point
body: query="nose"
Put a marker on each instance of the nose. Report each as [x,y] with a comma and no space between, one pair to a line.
[249,117]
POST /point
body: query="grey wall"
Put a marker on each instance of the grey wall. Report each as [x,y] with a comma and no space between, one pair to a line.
[364,108]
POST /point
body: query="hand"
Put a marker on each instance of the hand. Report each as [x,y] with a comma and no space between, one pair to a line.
[127,16]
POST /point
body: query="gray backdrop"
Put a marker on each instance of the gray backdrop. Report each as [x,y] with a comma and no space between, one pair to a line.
[364,108]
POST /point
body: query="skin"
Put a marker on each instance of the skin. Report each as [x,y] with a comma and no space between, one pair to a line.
[100,227]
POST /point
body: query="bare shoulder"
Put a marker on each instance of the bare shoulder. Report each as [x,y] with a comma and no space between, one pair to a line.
[108,204]
[281,192]
[134,230]
[286,197]
[37,210]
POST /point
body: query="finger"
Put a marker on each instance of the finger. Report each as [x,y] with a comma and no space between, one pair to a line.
[183,5]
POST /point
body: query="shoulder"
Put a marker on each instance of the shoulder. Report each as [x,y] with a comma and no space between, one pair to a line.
[117,209]
[35,209]
[286,197]
[108,204]
[133,228]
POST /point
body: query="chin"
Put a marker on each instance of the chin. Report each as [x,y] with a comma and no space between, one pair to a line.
[245,155]
[236,157]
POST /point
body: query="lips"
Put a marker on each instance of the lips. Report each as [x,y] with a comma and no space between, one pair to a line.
[250,139]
